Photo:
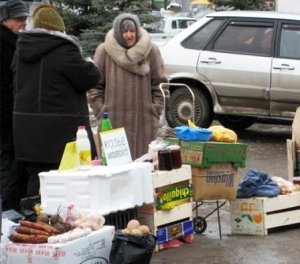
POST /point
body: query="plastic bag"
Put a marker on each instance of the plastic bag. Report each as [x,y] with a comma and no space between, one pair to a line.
[131,249]
[193,134]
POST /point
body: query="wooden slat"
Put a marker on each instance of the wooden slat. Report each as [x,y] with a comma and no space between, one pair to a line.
[282,219]
[164,178]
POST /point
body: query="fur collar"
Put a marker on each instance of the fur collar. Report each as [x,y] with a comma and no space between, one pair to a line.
[132,59]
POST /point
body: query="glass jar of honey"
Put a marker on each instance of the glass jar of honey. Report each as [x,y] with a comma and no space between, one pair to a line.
[176,156]
[164,160]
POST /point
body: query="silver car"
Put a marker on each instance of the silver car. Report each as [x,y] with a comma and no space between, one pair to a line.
[241,65]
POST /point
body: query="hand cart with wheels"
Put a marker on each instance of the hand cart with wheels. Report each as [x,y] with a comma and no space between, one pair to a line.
[199,222]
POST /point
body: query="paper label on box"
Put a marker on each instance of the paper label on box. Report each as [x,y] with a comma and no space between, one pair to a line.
[174,231]
[247,217]
[175,195]
[192,156]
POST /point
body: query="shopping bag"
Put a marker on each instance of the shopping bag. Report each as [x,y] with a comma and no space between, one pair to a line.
[131,249]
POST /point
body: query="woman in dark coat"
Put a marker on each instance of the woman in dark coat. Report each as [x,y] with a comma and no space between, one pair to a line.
[51,79]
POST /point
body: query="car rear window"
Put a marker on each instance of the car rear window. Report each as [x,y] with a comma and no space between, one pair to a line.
[200,38]
[290,42]
[254,39]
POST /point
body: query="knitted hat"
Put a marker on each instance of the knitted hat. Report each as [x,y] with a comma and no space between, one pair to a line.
[45,16]
[117,24]
[13,9]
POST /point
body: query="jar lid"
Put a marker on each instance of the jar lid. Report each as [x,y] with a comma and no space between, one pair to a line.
[173,147]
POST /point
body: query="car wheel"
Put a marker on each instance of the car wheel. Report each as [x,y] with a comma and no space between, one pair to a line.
[236,122]
[180,108]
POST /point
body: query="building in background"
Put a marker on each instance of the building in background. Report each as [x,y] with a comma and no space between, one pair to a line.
[163,4]
[290,6]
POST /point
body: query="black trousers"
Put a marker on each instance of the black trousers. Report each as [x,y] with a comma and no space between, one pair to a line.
[10,185]
[30,176]
[19,179]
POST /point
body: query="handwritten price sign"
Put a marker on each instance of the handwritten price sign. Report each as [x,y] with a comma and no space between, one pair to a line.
[115,146]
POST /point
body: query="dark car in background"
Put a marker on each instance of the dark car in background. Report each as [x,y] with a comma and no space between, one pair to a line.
[240,65]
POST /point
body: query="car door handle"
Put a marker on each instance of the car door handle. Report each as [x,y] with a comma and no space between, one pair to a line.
[211,61]
[284,67]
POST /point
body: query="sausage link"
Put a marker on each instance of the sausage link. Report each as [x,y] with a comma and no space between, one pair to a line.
[40,226]
[31,231]
[32,239]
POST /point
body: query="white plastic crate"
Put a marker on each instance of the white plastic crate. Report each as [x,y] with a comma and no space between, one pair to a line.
[101,189]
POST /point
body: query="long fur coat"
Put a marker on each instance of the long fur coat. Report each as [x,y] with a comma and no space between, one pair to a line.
[129,89]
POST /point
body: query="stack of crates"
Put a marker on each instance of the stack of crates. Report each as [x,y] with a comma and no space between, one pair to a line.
[170,216]
[214,167]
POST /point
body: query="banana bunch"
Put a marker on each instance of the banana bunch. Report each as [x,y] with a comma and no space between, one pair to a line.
[192,124]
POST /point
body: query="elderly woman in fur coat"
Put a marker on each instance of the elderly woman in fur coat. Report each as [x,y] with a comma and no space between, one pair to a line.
[132,69]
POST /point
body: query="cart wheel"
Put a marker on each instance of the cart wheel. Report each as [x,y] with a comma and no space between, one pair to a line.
[199,224]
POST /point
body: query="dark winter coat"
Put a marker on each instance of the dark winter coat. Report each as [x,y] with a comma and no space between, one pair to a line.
[7,48]
[50,99]
[129,89]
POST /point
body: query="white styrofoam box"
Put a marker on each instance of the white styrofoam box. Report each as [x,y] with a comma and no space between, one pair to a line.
[145,179]
[93,248]
[101,189]
[255,216]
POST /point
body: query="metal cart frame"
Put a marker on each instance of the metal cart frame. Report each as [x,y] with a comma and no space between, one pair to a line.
[199,222]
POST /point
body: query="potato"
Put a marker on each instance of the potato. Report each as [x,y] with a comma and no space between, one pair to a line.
[133,224]
[136,232]
[144,229]
[125,231]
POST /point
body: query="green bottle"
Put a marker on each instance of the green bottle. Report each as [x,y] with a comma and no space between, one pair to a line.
[105,125]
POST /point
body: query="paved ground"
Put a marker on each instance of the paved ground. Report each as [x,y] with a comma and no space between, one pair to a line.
[267,152]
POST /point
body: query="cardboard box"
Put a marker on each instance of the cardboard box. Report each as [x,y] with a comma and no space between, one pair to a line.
[256,216]
[94,248]
[205,154]
[293,145]
[219,181]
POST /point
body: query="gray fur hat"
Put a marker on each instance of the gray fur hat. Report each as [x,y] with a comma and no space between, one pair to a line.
[117,25]
[13,9]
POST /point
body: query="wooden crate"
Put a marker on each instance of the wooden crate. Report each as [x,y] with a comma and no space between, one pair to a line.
[173,223]
[164,221]
[255,216]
